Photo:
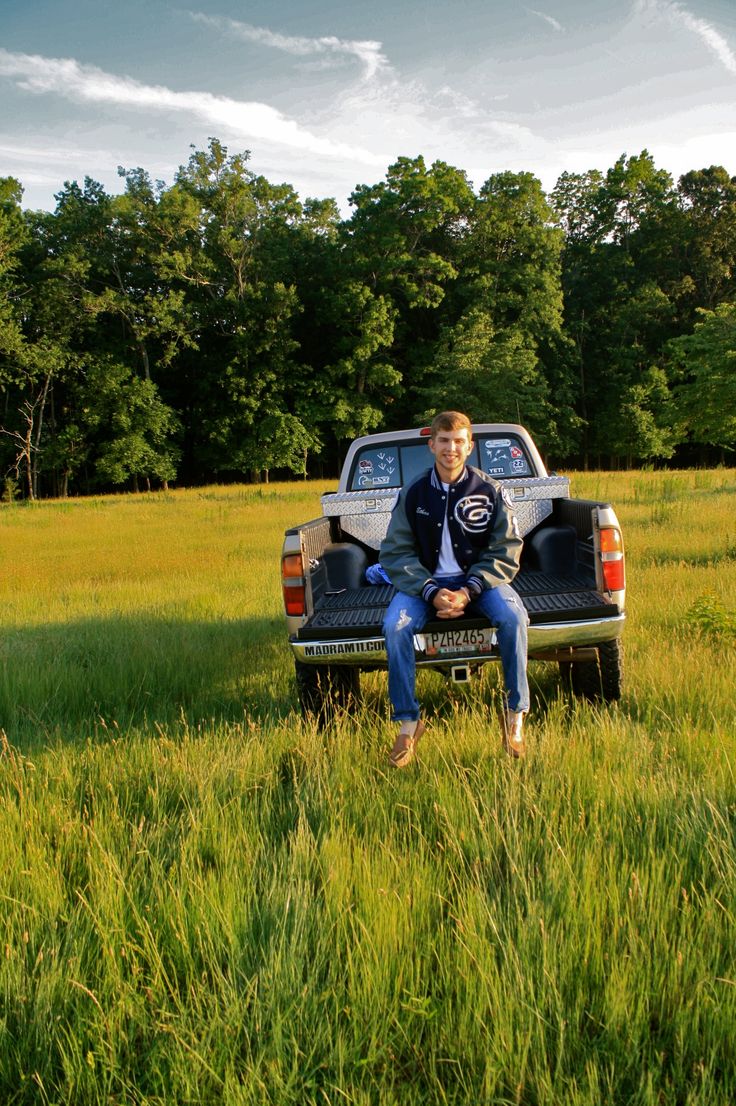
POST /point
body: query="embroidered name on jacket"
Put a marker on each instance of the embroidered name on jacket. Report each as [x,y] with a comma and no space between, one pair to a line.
[474,512]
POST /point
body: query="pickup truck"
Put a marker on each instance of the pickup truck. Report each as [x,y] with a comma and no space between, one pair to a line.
[571,579]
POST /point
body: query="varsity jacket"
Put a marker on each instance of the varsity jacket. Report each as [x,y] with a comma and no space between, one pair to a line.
[483,528]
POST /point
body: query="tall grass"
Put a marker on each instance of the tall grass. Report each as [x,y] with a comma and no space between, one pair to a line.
[208,901]
[136,609]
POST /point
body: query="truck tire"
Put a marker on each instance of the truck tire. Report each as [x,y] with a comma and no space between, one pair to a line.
[600,680]
[325,689]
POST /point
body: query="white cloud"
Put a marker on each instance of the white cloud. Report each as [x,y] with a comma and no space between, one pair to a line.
[29,174]
[367,52]
[23,151]
[88,84]
[547,19]
[445,125]
[712,38]
[706,32]
[465,107]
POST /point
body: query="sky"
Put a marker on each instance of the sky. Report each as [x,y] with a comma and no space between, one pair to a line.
[327,95]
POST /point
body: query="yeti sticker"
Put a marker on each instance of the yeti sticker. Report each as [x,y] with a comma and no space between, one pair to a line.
[474,512]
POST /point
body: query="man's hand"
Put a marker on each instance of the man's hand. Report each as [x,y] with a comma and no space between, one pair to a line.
[450,604]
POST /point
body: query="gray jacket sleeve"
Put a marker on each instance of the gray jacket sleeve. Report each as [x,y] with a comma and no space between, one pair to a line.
[399,555]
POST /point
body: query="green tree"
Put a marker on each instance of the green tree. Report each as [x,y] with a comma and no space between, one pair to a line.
[403,242]
[96,309]
[502,353]
[243,314]
[619,304]
[131,430]
[352,390]
[488,374]
[404,230]
[15,446]
[706,238]
[706,360]
[633,189]
[33,351]
[139,289]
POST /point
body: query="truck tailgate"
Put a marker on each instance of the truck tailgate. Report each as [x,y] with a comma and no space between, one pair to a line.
[548,598]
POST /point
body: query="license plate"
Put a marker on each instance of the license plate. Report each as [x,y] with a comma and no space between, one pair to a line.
[458,641]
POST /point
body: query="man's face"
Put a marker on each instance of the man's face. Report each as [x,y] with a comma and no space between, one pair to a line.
[451,449]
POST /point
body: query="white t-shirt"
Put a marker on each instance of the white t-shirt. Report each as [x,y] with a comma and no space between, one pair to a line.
[447,564]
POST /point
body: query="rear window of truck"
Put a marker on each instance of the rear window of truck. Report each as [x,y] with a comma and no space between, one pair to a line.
[392,466]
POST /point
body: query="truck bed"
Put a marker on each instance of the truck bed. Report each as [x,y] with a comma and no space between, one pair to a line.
[357,612]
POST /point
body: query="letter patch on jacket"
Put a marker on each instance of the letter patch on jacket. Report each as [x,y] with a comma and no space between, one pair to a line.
[474,512]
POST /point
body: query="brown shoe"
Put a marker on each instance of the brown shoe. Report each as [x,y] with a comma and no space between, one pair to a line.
[513,733]
[405,746]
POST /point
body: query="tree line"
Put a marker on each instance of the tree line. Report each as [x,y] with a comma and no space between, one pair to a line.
[219,328]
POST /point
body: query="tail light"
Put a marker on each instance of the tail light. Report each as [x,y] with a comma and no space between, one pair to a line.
[612,557]
[293,584]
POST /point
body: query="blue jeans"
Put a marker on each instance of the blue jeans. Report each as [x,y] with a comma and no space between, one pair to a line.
[407,615]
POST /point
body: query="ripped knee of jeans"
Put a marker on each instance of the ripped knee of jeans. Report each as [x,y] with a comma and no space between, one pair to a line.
[515,602]
[402,621]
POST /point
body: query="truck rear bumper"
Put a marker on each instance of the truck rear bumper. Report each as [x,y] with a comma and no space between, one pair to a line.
[547,638]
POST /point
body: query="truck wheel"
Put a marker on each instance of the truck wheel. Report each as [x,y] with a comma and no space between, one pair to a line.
[324,689]
[600,680]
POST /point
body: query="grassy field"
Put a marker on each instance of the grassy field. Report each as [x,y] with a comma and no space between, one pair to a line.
[204,900]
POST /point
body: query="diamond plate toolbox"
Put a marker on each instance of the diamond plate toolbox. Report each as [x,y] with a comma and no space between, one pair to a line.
[533,498]
[365,515]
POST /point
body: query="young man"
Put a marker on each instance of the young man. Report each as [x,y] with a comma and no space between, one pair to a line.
[453,544]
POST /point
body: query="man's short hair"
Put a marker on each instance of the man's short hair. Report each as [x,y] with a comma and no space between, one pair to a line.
[450,420]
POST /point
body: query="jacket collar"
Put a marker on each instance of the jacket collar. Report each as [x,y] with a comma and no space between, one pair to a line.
[437,483]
